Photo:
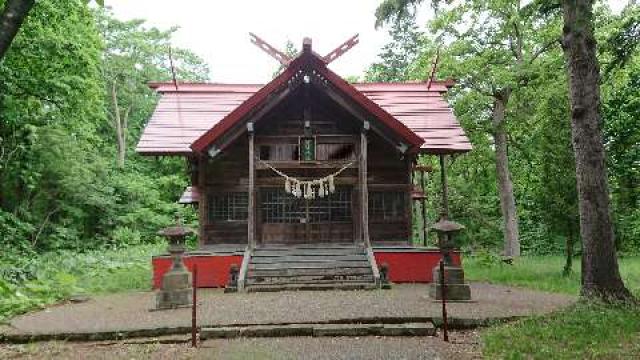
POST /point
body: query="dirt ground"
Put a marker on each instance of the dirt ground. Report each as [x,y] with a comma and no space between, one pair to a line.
[463,345]
[131,311]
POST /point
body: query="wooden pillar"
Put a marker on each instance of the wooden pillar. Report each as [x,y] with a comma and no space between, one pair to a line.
[364,190]
[251,218]
[203,216]
[444,214]
[425,226]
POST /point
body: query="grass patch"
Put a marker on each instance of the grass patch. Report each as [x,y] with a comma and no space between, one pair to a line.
[31,283]
[584,331]
[541,273]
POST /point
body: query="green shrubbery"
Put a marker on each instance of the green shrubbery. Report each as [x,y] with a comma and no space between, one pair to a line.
[28,283]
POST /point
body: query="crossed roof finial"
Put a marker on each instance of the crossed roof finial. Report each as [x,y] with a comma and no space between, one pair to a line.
[285,59]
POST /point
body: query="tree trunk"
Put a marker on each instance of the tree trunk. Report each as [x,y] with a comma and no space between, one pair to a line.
[118,126]
[568,265]
[503,176]
[600,273]
[14,13]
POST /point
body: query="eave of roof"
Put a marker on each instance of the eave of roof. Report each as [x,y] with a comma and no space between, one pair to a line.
[306,60]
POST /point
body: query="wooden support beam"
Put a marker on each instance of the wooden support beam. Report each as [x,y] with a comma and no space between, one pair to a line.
[202,204]
[444,214]
[364,203]
[281,57]
[425,225]
[364,191]
[341,49]
[251,221]
[235,134]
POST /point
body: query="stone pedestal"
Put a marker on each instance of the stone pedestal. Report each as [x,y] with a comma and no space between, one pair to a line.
[176,290]
[457,289]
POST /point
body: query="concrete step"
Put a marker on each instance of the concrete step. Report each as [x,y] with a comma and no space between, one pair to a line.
[306,258]
[315,246]
[310,265]
[307,252]
[308,280]
[317,330]
[317,272]
[334,285]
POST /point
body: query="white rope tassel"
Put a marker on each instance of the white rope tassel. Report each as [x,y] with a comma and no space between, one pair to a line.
[287,185]
[298,190]
[307,191]
[326,185]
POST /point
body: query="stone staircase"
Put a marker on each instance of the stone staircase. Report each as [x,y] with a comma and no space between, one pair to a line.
[308,267]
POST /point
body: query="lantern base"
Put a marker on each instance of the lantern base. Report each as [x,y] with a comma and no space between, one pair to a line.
[176,290]
[457,289]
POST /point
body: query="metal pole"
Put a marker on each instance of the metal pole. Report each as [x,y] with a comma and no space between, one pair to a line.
[194,322]
[445,192]
[443,295]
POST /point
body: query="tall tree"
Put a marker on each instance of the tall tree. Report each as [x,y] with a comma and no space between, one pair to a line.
[11,18]
[133,56]
[600,272]
[495,45]
[398,55]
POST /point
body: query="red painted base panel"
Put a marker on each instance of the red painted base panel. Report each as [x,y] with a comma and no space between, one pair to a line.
[213,270]
[411,266]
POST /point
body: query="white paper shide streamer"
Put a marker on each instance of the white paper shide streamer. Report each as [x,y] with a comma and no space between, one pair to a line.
[308,189]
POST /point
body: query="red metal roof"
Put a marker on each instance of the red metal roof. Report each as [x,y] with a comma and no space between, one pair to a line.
[305,62]
[185,115]
[191,195]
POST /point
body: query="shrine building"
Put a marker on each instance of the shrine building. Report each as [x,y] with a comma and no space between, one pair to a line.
[308,181]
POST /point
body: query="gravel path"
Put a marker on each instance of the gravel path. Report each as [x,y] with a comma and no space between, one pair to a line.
[463,345]
[130,311]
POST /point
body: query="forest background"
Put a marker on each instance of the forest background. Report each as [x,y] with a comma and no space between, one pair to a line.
[74,99]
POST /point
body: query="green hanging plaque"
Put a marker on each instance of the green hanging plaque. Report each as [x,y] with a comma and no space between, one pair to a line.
[307,149]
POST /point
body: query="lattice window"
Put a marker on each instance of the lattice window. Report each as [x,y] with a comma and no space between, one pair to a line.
[279,207]
[387,205]
[232,206]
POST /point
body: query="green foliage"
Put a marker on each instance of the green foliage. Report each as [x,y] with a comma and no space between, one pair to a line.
[479,48]
[28,283]
[399,54]
[621,123]
[586,331]
[540,272]
[60,183]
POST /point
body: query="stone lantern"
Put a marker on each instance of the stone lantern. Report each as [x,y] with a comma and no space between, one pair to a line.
[176,290]
[457,289]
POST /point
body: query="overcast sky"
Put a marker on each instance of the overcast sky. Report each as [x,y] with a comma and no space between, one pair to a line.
[218,31]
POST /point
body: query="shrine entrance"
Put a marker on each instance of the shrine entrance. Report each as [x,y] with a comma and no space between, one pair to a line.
[285,219]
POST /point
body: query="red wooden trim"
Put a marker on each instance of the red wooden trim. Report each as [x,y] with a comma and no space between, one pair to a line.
[373,108]
[238,113]
[307,58]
